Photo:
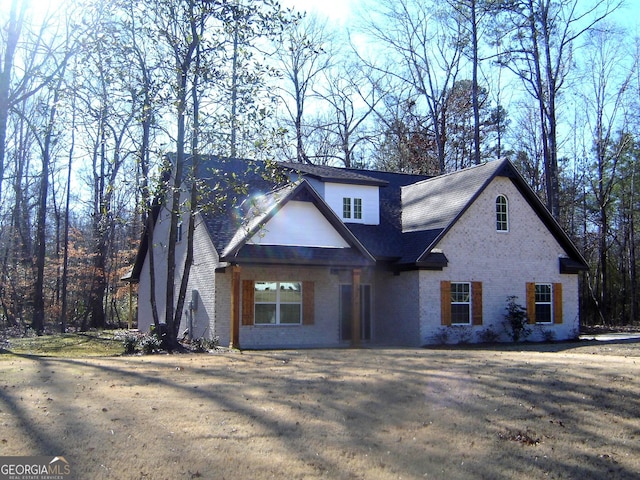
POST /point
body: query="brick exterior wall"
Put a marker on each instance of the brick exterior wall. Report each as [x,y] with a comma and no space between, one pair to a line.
[503,262]
[406,308]
[397,309]
[325,332]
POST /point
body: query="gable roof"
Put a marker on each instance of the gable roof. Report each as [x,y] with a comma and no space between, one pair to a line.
[416,211]
[239,250]
[434,205]
[437,202]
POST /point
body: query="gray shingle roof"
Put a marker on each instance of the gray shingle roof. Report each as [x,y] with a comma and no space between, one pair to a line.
[415,212]
[333,174]
[437,202]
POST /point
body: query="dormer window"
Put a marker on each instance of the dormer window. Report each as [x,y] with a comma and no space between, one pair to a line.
[502,214]
[357,208]
[353,203]
[346,207]
[352,208]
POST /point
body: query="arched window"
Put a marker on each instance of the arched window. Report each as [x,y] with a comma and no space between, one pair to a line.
[502,214]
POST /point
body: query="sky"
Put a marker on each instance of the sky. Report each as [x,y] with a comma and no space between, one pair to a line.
[340,11]
[337,11]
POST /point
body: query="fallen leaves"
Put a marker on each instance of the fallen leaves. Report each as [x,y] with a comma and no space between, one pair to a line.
[525,438]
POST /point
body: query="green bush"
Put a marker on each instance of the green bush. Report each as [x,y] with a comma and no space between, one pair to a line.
[203,344]
[150,343]
[129,340]
[441,336]
[462,334]
[488,335]
[516,320]
[130,343]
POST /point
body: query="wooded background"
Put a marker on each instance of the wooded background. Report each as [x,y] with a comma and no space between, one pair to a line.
[93,94]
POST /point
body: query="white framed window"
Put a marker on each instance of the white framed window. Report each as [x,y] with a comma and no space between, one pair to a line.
[277,303]
[346,207]
[357,208]
[502,214]
[460,303]
[544,303]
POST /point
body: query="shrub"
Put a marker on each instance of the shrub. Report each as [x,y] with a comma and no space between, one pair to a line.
[488,335]
[134,341]
[203,344]
[150,343]
[463,334]
[129,341]
[516,320]
[441,337]
[162,334]
[547,335]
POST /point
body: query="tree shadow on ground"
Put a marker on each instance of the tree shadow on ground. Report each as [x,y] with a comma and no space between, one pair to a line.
[443,413]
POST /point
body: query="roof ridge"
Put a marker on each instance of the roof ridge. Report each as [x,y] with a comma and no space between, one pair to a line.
[501,161]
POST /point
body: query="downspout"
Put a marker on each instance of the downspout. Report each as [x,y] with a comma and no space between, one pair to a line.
[234,342]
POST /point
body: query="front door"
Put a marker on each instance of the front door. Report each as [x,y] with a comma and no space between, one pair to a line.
[345,312]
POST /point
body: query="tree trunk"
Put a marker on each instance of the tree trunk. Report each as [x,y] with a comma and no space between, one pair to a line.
[41,235]
[65,258]
[13,29]
[474,86]
[184,61]
[234,90]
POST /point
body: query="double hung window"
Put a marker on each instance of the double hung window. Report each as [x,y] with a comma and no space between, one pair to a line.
[357,208]
[346,207]
[461,303]
[544,303]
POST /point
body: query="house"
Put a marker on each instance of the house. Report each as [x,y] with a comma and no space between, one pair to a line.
[339,257]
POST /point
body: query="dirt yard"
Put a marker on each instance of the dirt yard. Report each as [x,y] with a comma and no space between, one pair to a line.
[571,411]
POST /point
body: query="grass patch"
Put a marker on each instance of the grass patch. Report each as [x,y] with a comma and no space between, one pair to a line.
[85,344]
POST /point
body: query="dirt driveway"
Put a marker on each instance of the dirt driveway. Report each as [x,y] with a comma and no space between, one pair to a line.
[570,412]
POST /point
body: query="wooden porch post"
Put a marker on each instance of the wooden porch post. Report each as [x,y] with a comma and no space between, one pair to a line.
[355,307]
[130,325]
[235,307]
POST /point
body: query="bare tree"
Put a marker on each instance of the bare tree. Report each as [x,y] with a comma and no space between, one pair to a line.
[471,14]
[181,27]
[352,97]
[11,36]
[544,37]
[305,53]
[423,46]
[606,116]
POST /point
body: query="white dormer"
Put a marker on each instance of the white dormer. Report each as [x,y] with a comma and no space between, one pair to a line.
[353,195]
[353,203]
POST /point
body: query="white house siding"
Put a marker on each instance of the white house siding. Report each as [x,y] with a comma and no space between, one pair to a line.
[397,307]
[335,192]
[325,332]
[503,262]
[299,224]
